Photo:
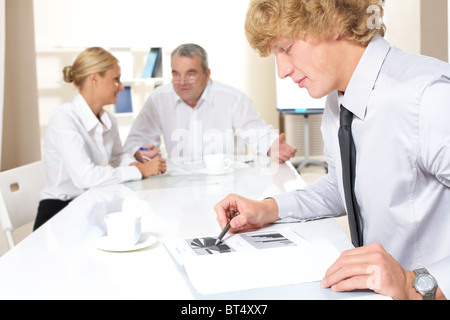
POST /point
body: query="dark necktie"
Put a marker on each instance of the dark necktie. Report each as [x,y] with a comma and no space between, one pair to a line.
[348,158]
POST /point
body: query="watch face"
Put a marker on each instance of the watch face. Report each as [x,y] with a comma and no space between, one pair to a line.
[425,282]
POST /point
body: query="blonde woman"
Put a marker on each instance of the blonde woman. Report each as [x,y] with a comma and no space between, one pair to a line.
[397,108]
[82,148]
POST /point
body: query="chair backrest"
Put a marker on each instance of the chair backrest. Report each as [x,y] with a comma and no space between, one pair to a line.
[19,194]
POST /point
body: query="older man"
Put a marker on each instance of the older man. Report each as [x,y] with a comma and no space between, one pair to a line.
[198,116]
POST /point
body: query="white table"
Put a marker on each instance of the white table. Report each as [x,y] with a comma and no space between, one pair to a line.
[60,260]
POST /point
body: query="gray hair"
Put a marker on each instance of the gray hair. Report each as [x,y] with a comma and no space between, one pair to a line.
[191,49]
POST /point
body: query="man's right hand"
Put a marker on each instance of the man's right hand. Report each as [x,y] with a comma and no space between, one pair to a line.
[252,213]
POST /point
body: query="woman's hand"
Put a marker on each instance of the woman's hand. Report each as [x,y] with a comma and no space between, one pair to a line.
[152,168]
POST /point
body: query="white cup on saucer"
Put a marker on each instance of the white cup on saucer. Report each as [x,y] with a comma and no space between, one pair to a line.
[123,229]
[216,163]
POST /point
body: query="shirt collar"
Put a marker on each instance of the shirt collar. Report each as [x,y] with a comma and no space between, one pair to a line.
[206,96]
[87,117]
[364,77]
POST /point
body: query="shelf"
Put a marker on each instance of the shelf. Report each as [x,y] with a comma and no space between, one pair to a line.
[53,90]
[143,81]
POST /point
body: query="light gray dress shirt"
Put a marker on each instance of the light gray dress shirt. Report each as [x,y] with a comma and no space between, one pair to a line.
[401,130]
[224,121]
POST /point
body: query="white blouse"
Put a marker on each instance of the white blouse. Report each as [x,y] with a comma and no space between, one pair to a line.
[80,152]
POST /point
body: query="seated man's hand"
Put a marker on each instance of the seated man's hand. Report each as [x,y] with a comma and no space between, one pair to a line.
[281,151]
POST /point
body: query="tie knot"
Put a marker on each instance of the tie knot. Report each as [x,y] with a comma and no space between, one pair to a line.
[346,117]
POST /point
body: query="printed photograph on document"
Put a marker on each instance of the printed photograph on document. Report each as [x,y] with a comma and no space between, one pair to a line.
[245,241]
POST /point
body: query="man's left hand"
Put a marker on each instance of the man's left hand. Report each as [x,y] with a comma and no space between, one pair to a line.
[370,267]
[281,151]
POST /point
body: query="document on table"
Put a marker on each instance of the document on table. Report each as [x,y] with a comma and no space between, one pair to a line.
[251,260]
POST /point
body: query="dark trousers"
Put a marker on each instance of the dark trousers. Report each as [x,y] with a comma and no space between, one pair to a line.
[47,209]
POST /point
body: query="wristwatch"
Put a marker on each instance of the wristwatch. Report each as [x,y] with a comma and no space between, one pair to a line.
[425,284]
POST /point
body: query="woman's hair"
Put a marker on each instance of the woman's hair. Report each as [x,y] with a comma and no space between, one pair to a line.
[268,20]
[191,49]
[90,60]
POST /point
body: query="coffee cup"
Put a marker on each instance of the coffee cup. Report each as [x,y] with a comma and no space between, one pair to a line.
[123,229]
[217,163]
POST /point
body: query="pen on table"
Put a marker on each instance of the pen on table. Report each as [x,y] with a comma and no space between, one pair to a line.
[224,231]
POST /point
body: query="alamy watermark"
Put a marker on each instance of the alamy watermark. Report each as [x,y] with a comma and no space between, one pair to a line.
[375,21]
[374,280]
[190,146]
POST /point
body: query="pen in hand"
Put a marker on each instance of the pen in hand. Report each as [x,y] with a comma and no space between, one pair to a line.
[225,230]
[163,154]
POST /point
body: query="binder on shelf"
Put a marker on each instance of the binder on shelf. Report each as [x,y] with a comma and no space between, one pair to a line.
[152,67]
[124,104]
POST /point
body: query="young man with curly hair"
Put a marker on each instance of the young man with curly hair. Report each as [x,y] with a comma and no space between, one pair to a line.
[398,195]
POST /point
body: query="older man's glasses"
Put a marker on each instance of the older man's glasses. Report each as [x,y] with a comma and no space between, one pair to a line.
[189,77]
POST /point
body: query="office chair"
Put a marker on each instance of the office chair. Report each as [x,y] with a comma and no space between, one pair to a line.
[19,196]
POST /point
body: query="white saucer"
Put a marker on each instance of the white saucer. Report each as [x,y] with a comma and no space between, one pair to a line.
[105,244]
[209,173]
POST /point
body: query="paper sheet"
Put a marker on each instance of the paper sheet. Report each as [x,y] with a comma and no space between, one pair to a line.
[252,260]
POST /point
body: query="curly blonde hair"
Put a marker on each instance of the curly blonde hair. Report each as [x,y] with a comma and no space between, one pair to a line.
[268,20]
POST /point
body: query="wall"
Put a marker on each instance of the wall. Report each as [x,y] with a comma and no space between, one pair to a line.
[20,144]
[419,26]
[2,67]
[434,22]
[402,18]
